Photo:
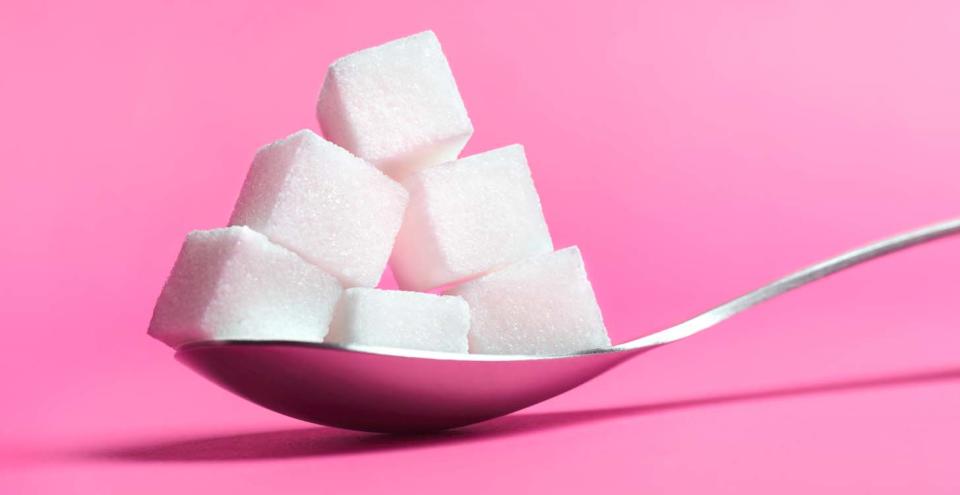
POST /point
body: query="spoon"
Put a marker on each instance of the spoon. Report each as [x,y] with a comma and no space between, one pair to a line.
[402,390]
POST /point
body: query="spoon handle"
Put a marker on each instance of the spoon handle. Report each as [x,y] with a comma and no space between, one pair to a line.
[812,273]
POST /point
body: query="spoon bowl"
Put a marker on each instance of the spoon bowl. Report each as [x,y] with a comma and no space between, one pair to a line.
[381,390]
[402,390]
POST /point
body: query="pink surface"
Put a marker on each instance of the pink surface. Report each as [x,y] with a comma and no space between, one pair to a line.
[694,150]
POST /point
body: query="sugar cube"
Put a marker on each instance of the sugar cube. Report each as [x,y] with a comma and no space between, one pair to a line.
[395,105]
[541,305]
[318,200]
[467,218]
[233,283]
[392,318]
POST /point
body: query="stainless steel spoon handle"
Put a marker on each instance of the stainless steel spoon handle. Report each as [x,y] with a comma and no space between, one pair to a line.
[812,273]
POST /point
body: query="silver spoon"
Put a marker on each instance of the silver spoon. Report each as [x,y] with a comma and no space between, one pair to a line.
[402,390]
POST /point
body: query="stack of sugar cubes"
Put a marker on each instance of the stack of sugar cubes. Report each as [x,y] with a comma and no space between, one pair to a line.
[318,220]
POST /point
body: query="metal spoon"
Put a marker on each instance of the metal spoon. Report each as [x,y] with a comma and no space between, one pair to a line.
[402,390]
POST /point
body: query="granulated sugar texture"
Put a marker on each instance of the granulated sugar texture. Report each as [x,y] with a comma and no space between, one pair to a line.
[395,105]
[235,284]
[318,200]
[318,219]
[542,305]
[394,318]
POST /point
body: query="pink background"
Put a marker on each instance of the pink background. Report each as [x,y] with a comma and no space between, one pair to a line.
[694,150]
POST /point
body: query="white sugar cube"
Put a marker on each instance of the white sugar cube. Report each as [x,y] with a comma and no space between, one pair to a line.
[233,283]
[395,105]
[467,218]
[392,318]
[542,305]
[318,200]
